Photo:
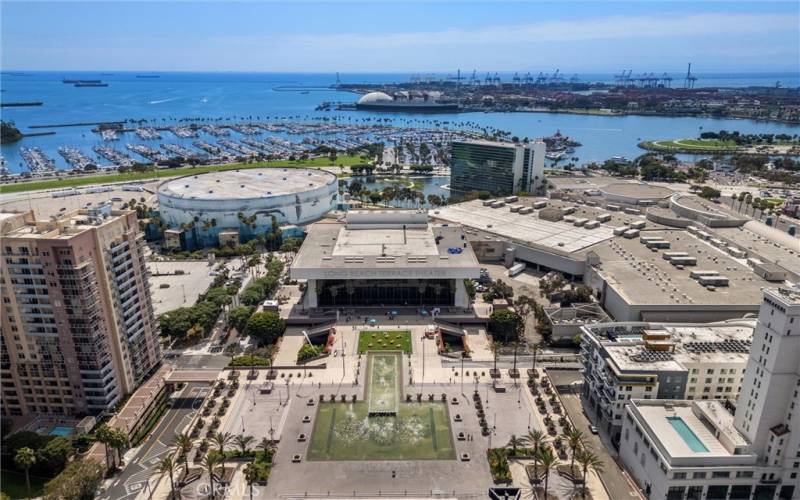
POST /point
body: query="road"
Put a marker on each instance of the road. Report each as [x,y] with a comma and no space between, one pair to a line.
[615,481]
[140,467]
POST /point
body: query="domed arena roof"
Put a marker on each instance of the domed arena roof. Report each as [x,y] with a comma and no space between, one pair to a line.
[373,97]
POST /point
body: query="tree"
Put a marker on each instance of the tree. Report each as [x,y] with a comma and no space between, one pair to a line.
[252,473]
[221,440]
[524,305]
[575,440]
[78,481]
[210,463]
[182,443]
[588,460]
[535,441]
[710,193]
[243,442]
[548,460]
[104,434]
[168,466]
[55,454]
[266,327]
[239,316]
[119,441]
[515,443]
[505,324]
[267,446]
[25,458]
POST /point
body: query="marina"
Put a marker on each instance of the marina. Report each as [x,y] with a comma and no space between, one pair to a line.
[147,152]
[76,158]
[38,162]
[147,133]
[116,157]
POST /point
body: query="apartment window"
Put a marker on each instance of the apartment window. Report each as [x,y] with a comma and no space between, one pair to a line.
[720,474]
[717,492]
[694,370]
[744,474]
[710,371]
[679,475]
[675,492]
[698,475]
[740,492]
[694,493]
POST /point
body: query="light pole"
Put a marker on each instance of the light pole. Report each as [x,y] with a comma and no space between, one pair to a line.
[462,373]
[422,383]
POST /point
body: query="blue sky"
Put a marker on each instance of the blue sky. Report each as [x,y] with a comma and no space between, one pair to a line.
[377,36]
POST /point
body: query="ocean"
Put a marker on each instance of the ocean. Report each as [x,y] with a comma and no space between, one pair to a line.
[269,96]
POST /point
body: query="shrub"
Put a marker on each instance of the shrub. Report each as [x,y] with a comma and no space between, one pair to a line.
[308,351]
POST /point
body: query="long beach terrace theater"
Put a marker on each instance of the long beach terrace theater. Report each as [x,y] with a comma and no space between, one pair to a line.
[391,258]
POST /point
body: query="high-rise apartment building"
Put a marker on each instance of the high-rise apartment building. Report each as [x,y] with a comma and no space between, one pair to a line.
[680,449]
[78,329]
[501,168]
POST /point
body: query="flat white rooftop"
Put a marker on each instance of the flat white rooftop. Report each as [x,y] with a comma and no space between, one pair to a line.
[677,429]
[394,242]
[246,184]
[333,251]
[722,343]
[525,228]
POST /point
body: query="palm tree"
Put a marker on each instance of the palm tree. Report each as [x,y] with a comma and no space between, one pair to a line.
[210,463]
[267,446]
[549,460]
[515,443]
[119,440]
[104,434]
[242,442]
[252,473]
[536,440]
[183,443]
[587,459]
[575,440]
[25,459]
[221,440]
[168,466]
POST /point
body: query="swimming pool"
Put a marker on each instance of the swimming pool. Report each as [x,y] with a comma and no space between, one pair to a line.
[60,430]
[688,435]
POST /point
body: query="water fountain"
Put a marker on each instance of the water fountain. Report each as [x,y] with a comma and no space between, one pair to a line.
[383,427]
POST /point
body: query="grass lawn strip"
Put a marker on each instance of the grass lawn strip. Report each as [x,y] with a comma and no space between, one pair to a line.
[67,182]
[389,340]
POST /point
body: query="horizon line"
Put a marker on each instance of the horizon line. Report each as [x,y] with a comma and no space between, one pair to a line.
[362,72]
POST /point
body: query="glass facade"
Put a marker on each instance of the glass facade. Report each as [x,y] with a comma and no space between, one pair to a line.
[341,293]
[482,167]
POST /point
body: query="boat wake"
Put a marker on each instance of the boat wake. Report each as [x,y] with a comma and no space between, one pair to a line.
[165,100]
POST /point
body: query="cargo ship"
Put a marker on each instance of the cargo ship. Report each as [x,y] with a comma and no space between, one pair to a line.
[74,81]
[91,84]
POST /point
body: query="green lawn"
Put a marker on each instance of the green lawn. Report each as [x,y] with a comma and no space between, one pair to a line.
[392,340]
[13,484]
[690,144]
[67,182]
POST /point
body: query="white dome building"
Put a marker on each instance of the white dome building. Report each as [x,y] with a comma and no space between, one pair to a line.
[374,97]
